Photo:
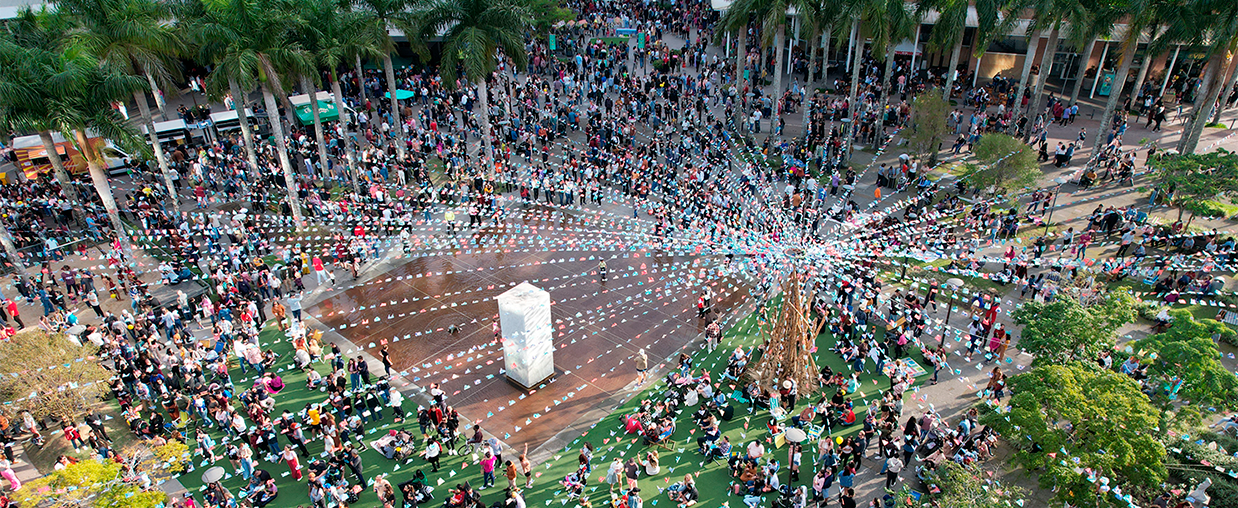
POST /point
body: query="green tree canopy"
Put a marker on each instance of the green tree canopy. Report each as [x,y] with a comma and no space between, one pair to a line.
[1076,425]
[1005,163]
[1198,178]
[57,378]
[1186,354]
[929,129]
[1064,330]
[956,485]
[88,483]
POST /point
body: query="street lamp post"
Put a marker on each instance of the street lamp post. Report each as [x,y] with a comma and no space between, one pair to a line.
[954,284]
[1060,181]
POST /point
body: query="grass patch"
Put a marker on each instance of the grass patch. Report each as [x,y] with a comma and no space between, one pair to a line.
[606,436]
[1217,125]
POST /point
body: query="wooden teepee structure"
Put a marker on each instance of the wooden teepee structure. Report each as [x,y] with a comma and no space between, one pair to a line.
[789,342]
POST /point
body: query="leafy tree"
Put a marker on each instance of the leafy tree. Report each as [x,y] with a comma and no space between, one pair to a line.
[969,486]
[252,43]
[88,483]
[1186,354]
[26,103]
[1077,425]
[1197,178]
[929,129]
[546,13]
[1064,330]
[474,31]
[131,37]
[1005,163]
[60,379]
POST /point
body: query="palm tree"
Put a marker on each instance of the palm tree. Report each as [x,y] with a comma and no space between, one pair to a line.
[1140,15]
[735,21]
[1051,15]
[383,15]
[133,37]
[885,22]
[331,34]
[473,33]
[774,31]
[1221,34]
[84,90]
[952,23]
[25,104]
[252,42]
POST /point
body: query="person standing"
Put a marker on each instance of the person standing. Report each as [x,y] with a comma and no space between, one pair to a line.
[894,466]
[320,271]
[354,463]
[433,450]
[487,470]
[386,360]
[92,299]
[511,473]
[11,307]
[526,467]
[294,465]
[642,365]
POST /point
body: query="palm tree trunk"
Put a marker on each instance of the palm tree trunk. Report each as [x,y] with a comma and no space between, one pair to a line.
[741,59]
[398,128]
[779,37]
[854,111]
[1046,62]
[149,123]
[238,98]
[281,146]
[98,176]
[953,69]
[360,79]
[1229,89]
[6,238]
[1032,46]
[322,145]
[483,116]
[1204,99]
[1083,69]
[339,103]
[885,77]
[812,60]
[154,92]
[62,176]
[1129,46]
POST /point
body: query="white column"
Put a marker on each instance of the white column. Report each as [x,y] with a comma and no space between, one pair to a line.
[528,343]
[1100,68]
[915,47]
[855,27]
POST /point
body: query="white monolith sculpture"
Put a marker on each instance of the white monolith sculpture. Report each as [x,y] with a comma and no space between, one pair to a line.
[528,344]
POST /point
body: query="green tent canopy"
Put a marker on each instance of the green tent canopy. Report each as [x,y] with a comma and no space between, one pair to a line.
[400,94]
[326,113]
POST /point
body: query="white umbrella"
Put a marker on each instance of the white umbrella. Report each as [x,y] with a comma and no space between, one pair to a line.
[213,474]
[795,435]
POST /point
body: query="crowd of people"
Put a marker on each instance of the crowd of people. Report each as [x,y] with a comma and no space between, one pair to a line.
[662,129]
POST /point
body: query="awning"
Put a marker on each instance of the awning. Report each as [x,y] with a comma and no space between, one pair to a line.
[400,94]
[326,113]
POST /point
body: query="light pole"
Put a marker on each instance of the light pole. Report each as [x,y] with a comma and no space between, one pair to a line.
[954,284]
[1060,181]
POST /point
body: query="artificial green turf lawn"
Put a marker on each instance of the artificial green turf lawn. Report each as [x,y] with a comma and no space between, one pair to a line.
[607,438]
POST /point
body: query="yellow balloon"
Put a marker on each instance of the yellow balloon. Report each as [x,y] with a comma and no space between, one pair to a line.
[838,440]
